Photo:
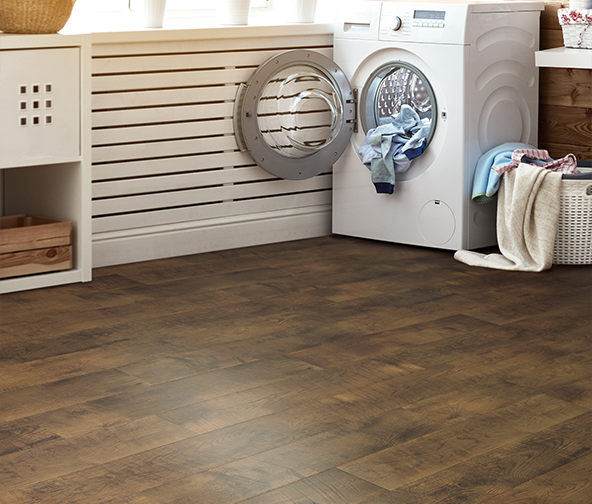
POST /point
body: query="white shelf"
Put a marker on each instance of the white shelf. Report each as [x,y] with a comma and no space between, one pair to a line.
[564,57]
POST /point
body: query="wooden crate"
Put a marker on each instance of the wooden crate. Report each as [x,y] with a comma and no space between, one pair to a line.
[30,244]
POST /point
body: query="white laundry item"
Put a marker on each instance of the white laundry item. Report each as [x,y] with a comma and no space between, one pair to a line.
[527,221]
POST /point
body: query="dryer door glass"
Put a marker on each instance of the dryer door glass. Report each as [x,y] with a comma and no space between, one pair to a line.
[392,88]
[295,115]
[299,112]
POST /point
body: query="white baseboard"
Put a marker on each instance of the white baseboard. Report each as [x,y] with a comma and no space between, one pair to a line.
[160,242]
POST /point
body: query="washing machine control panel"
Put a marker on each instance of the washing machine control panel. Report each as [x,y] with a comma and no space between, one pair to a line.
[426,22]
[429,18]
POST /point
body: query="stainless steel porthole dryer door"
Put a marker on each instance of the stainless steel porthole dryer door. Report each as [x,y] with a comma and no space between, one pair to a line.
[295,116]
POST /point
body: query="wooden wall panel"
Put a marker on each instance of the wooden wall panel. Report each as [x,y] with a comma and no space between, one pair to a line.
[565,97]
[567,87]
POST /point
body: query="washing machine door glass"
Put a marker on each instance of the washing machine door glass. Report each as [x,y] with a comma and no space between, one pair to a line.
[295,115]
[393,87]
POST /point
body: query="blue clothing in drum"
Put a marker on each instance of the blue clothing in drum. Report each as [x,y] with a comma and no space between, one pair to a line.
[391,147]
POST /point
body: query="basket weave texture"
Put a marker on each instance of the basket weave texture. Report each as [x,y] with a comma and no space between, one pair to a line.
[573,243]
[34,16]
[576,25]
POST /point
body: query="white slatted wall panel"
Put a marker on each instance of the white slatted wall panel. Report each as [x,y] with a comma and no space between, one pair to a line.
[168,178]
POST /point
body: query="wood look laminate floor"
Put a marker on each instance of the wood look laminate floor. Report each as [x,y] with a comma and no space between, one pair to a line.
[325,371]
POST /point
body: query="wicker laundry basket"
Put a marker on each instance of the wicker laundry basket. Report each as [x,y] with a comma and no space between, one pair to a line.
[573,244]
[34,16]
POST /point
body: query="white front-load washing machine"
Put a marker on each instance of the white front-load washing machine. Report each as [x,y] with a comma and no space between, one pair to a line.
[466,68]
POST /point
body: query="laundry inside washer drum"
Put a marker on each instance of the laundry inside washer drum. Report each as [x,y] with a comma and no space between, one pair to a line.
[391,147]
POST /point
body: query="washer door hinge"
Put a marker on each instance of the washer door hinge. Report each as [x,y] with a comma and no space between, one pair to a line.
[353,102]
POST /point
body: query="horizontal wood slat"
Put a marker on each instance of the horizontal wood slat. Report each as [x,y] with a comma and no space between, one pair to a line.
[569,87]
[160,97]
[167,62]
[201,212]
[163,149]
[322,41]
[169,80]
[148,167]
[161,115]
[559,150]
[175,182]
[146,133]
[567,125]
[206,195]
[252,207]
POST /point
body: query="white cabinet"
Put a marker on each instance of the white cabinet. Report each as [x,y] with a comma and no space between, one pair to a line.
[45,142]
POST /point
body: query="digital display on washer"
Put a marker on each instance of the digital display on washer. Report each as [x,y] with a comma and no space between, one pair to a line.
[428,14]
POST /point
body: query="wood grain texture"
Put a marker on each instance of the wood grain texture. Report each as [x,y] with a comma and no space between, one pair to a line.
[565,125]
[549,20]
[329,370]
[559,150]
[565,114]
[568,87]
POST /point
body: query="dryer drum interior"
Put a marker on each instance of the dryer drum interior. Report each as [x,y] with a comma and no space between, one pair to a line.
[390,87]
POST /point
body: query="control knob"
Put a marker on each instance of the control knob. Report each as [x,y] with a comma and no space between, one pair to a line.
[396,24]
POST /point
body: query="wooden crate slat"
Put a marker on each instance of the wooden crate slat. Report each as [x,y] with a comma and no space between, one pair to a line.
[35,261]
[26,232]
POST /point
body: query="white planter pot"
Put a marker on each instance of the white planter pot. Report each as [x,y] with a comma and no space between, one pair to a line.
[302,11]
[233,12]
[153,13]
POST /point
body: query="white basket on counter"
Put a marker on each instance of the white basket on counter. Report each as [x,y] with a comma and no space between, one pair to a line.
[576,25]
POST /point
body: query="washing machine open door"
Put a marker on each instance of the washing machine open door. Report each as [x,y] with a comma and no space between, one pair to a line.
[295,116]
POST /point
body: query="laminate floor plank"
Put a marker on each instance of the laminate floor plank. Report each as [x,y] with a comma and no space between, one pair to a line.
[503,469]
[64,456]
[411,461]
[227,484]
[332,371]
[568,483]
[22,434]
[91,319]
[328,487]
[30,401]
